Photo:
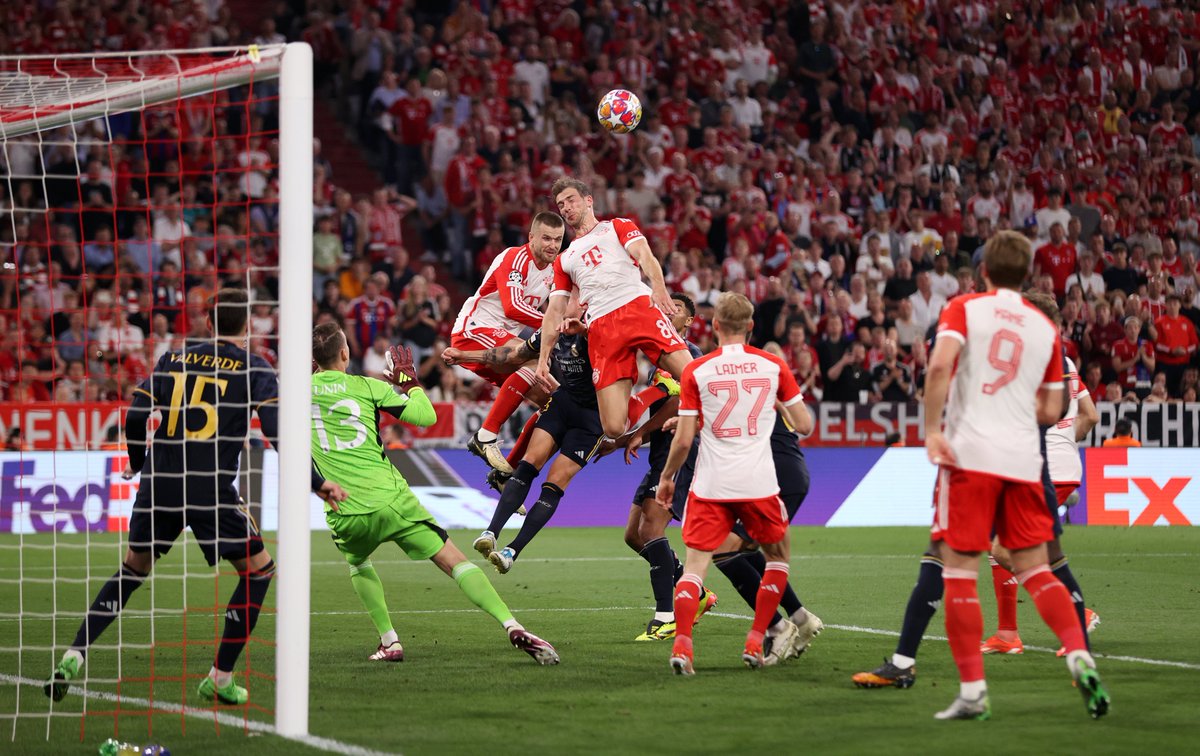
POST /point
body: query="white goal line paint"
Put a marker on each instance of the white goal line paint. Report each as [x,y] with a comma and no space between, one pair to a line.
[328,745]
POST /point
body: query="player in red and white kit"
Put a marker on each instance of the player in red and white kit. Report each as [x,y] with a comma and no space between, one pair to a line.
[732,392]
[511,296]
[606,261]
[1065,473]
[996,370]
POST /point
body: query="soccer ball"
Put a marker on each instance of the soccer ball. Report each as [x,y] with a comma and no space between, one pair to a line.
[620,111]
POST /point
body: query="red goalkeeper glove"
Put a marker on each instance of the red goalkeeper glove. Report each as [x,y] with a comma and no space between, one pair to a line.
[399,368]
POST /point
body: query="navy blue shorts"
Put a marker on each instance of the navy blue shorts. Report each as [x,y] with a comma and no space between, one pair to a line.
[575,428]
[223,528]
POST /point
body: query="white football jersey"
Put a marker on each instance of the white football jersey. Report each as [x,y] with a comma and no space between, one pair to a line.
[511,295]
[1010,350]
[1062,451]
[600,264]
[733,391]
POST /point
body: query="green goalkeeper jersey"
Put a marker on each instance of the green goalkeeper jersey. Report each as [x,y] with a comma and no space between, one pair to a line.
[346,447]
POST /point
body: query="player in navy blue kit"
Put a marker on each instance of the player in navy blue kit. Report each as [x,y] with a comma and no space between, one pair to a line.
[569,424]
[646,530]
[205,394]
[740,559]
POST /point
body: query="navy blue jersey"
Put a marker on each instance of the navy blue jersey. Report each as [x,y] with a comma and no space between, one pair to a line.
[790,467]
[206,395]
[659,440]
[570,365]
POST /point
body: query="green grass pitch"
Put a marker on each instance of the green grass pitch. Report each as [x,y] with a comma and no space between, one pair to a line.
[463,689]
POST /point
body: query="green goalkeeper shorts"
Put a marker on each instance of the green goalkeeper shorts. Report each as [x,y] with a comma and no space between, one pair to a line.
[357,536]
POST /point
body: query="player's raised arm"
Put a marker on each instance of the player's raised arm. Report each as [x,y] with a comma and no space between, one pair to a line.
[500,356]
[640,250]
[553,318]
[412,406]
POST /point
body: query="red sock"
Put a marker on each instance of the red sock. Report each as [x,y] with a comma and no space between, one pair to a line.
[687,600]
[518,450]
[770,590]
[511,394]
[1006,586]
[640,402]
[1054,604]
[964,622]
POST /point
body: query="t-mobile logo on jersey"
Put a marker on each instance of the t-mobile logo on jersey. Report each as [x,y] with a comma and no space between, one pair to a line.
[1115,497]
[593,257]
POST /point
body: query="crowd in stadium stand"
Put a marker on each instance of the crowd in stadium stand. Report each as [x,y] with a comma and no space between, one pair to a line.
[841,163]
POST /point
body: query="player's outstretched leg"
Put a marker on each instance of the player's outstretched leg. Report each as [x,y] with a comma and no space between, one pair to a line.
[241,615]
[537,518]
[900,670]
[109,602]
[787,638]
[1006,640]
[472,582]
[484,443]
[512,497]
[770,591]
[369,588]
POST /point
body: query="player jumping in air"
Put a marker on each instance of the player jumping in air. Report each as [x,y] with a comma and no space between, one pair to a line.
[900,669]
[1004,359]
[379,507]
[510,298]
[606,261]
[734,389]
[205,393]
[1066,471]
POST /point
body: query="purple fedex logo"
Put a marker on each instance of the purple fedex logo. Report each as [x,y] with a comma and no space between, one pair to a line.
[60,502]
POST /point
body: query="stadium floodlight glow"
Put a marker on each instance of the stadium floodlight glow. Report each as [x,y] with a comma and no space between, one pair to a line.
[68,105]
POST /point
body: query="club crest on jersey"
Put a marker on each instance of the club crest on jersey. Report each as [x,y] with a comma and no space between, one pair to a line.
[595,375]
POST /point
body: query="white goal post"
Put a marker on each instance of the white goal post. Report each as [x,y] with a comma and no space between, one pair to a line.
[44,92]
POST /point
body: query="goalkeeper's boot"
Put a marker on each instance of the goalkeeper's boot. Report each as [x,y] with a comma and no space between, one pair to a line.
[541,651]
[997,645]
[809,629]
[489,452]
[391,653]
[707,601]
[887,676]
[658,630]
[1087,679]
[962,708]
[503,559]
[66,671]
[485,544]
[232,694]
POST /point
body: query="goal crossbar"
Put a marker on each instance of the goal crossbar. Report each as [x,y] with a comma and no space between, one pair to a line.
[38,93]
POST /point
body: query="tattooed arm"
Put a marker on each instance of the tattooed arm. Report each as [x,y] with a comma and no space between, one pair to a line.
[502,356]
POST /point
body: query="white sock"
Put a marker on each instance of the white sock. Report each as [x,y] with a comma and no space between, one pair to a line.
[485,436]
[512,624]
[801,616]
[1074,656]
[903,662]
[972,691]
[389,638]
[664,616]
[220,678]
[75,654]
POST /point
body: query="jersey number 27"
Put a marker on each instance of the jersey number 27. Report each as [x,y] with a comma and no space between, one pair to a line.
[760,388]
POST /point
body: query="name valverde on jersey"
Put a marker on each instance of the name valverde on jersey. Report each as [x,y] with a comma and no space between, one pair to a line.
[1010,350]
[600,264]
[733,390]
[511,295]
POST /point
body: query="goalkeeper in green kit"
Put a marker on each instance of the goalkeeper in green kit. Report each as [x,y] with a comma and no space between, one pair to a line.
[379,507]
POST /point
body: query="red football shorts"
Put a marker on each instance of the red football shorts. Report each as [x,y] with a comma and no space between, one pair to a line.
[707,522]
[969,506]
[614,340]
[482,339]
[1063,490]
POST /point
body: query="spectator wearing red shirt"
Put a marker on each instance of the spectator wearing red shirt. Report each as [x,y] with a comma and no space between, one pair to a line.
[461,183]
[1175,343]
[1100,337]
[410,118]
[1133,357]
[1057,257]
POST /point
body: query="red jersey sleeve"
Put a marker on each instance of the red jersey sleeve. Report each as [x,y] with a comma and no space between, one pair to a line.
[689,392]
[1053,377]
[562,279]
[510,285]
[627,231]
[953,320]
[789,391]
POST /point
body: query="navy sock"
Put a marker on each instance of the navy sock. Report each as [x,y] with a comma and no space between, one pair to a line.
[922,605]
[744,576]
[662,574]
[540,514]
[790,602]
[1062,571]
[513,496]
[107,605]
[242,614]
